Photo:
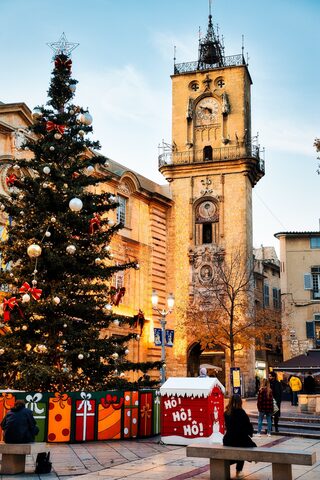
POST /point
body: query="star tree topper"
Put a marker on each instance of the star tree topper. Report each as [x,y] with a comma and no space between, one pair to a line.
[62,46]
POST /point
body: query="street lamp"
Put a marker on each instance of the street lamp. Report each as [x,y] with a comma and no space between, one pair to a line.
[163,313]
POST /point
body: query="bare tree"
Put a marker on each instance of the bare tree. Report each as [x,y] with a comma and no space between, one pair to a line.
[224,314]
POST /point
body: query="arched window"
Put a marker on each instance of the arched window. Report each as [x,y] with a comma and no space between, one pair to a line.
[206,222]
[207,153]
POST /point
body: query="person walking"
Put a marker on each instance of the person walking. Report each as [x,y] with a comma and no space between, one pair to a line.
[275,386]
[265,406]
[296,387]
[19,425]
[239,429]
[309,384]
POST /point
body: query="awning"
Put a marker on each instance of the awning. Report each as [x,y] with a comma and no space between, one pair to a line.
[309,361]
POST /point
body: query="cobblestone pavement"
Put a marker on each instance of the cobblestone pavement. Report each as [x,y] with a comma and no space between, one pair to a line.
[150,460]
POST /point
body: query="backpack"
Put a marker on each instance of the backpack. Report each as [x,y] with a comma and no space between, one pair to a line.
[43,464]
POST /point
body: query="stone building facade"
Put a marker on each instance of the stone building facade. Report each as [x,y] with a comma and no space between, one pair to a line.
[300,291]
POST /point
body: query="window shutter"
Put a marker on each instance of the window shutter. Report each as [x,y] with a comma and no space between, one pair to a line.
[310,329]
[307,279]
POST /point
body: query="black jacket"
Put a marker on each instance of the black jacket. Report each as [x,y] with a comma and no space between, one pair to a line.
[309,385]
[238,430]
[276,391]
[19,426]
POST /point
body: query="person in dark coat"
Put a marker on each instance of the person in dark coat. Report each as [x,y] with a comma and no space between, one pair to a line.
[309,384]
[265,406]
[18,425]
[276,388]
[239,429]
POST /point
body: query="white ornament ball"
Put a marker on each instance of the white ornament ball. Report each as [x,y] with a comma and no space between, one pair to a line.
[25,298]
[16,167]
[112,198]
[34,282]
[48,234]
[126,351]
[46,170]
[57,136]
[98,261]
[138,337]
[86,118]
[45,185]
[82,133]
[90,169]
[56,300]
[53,219]
[108,307]
[137,266]
[65,325]
[110,223]
[115,355]
[36,114]
[70,249]
[34,250]
[71,112]
[75,204]
[1,351]
[116,322]
[51,148]
[72,88]
[24,327]
[107,248]
[80,356]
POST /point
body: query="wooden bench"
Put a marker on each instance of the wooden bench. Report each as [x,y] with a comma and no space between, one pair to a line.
[14,455]
[220,457]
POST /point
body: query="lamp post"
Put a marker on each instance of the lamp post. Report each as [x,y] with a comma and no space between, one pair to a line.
[163,314]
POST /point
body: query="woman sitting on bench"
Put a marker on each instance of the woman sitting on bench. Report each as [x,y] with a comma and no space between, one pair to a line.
[18,425]
[239,429]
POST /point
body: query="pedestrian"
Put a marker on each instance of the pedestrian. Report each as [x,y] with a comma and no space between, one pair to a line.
[277,395]
[239,429]
[203,372]
[309,384]
[296,387]
[257,384]
[265,406]
[18,425]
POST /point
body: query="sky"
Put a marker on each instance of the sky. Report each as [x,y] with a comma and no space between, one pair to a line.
[124,62]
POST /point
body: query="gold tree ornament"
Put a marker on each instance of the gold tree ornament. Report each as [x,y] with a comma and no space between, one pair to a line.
[34,250]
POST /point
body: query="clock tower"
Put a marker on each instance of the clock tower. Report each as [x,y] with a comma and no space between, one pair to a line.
[212,166]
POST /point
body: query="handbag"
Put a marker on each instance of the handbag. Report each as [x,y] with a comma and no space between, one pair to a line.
[43,464]
[275,407]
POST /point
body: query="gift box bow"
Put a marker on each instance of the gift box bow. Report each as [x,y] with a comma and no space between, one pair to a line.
[112,400]
[50,126]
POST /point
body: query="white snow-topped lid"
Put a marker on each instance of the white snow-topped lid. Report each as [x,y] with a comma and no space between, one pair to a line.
[190,386]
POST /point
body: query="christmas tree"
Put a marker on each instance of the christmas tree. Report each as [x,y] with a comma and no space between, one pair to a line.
[55,330]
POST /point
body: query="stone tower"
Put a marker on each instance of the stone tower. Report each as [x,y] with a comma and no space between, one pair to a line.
[212,166]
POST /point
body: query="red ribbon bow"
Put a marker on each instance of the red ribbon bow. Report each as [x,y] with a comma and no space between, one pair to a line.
[35,292]
[118,295]
[112,400]
[10,180]
[94,223]
[60,63]
[8,304]
[54,126]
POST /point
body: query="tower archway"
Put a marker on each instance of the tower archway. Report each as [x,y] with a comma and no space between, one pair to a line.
[213,359]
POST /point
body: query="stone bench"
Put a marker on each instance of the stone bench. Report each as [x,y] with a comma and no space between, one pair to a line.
[14,455]
[220,457]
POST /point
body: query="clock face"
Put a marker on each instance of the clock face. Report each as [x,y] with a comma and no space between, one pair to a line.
[207,110]
[207,210]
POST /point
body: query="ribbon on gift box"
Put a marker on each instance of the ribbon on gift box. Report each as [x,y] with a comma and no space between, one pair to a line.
[32,401]
[35,292]
[60,398]
[112,400]
[145,412]
[87,407]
